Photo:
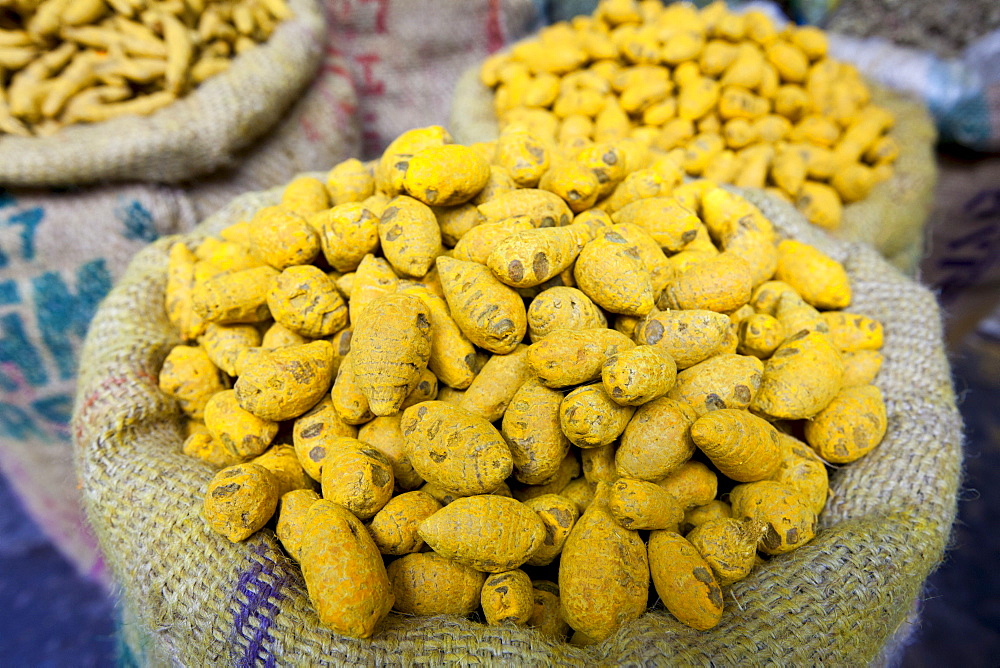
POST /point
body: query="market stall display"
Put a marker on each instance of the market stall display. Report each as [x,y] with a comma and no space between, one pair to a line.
[144,494]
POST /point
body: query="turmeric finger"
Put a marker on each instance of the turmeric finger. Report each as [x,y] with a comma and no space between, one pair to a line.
[180,53]
[684,581]
[140,106]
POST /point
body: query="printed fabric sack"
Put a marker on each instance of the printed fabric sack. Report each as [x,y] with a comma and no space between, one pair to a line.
[198,133]
[195,598]
[60,253]
[891,218]
[61,250]
[406,55]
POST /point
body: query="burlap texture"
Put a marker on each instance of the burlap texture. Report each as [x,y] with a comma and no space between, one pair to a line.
[891,218]
[197,134]
[202,600]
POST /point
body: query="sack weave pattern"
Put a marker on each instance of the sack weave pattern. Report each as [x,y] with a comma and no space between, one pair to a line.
[197,134]
[202,600]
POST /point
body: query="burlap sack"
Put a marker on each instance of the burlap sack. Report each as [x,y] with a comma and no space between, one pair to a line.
[197,134]
[60,253]
[201,600]
[962,91]
[891,218]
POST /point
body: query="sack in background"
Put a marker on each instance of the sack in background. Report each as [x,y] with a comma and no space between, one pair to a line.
[405,55]
[60,253]
[891,218]
[943,27]
[205,600]
[320,130]
[197,134]
[942,58]
[963,93]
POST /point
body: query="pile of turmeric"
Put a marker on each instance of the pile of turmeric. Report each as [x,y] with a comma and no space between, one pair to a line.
[453,386]
[732,97]
[64,62]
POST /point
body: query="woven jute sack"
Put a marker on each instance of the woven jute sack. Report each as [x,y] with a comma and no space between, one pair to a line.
[62,252]
[199,599]
[893,216]
[62,249]
[197,134]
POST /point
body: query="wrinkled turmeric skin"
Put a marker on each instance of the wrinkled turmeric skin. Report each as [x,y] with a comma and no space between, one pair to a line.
[465,406]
